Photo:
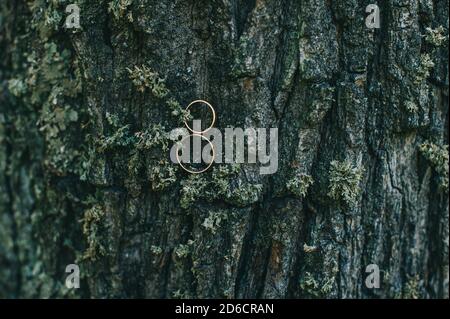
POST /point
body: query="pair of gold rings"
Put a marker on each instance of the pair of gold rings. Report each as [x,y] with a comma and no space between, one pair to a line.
[198,134]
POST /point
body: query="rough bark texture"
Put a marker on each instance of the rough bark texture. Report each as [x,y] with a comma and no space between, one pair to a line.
[84,171]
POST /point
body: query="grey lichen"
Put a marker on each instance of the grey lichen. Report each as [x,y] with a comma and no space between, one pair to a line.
[214,220]
[411,107]
[223,184]
[309,284]
[181,294]
[177,111]
[156,136]
[411,288]
[155,142]
[438,157]
[156,250]
[183,250]
[423,70]
[51,82]
[315,288]
[91,230]
[309,249]
[344,182]
[145,78]
[119,9]
[121,137]
[436,36]
[244,194]
[162,175]
[299,185]
[192,189]
[17,87]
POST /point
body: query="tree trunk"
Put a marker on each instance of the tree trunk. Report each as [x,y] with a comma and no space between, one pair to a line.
[85,175]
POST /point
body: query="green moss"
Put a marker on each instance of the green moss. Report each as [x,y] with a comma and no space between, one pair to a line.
[47,17]
[315,288]
[436,36]
[411,289]
[411,107]
[244,194]
[121,137]
[182,251]
[119,9]
[344,182]
[438,157]
[214,220]
[145,78]
[222,184]
[162,175]
[181,294]
[227,185]
[192,189]
[17,87]
[156,250]
[178,111]
[51,84]
[154,137]
[309,284]
[92,222]
[299,185]
[155,142]
[147,151]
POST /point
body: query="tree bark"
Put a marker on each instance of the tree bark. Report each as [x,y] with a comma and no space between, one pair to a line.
[85,177]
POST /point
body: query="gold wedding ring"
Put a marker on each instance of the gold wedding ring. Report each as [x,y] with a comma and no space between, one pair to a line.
[213,120]
[209,165]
